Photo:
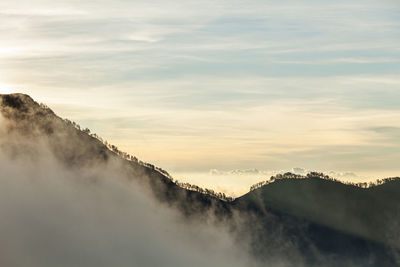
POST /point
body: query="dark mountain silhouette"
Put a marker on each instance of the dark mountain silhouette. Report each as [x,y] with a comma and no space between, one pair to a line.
[327,222]
[75,148]
[346,222]
[365,210]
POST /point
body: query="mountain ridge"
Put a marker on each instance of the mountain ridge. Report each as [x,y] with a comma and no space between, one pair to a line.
[342,221]
[24,102]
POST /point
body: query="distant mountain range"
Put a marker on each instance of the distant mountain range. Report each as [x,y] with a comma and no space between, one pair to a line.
[330,223]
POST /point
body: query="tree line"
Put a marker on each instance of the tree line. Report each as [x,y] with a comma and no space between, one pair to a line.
[127,156]
[320,175]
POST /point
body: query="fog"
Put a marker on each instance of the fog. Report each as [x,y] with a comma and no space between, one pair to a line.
[55,211]
[54,216]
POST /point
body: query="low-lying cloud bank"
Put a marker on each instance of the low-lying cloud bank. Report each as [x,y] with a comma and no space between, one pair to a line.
[54,216]
[66,202]
[237,182]
[297,170]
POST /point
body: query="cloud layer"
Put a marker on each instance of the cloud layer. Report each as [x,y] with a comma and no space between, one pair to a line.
[218,84]
[51,215]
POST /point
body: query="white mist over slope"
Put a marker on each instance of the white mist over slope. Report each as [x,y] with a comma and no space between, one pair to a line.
[52,216]
[67,201]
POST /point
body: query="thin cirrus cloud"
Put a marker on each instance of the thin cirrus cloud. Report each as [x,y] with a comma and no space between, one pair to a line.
[194,86]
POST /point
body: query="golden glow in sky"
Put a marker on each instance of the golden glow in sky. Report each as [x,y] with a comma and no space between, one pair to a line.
[193,86]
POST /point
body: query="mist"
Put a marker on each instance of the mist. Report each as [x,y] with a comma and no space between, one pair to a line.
[67,200]
[52,215]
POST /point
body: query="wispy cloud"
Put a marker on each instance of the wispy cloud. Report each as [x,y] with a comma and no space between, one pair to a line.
[213,84]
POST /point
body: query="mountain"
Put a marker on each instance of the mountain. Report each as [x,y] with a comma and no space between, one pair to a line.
[77,149]
[340,220]
[311,220]
[367,212]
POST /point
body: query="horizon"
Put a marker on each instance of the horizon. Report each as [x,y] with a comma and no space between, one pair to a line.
[229,185]
[229,133]
[229,195]
[222,93]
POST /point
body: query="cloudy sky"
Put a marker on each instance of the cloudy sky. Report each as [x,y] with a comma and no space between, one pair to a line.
[194,86]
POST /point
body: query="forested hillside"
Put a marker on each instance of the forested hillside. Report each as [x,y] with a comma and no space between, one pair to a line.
[327,222]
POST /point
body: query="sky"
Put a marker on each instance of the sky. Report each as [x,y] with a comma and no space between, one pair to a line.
[219,93]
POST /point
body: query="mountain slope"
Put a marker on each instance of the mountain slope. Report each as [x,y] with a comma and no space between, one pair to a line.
[362,212]
[77,149]
[340,220]
[315,221]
